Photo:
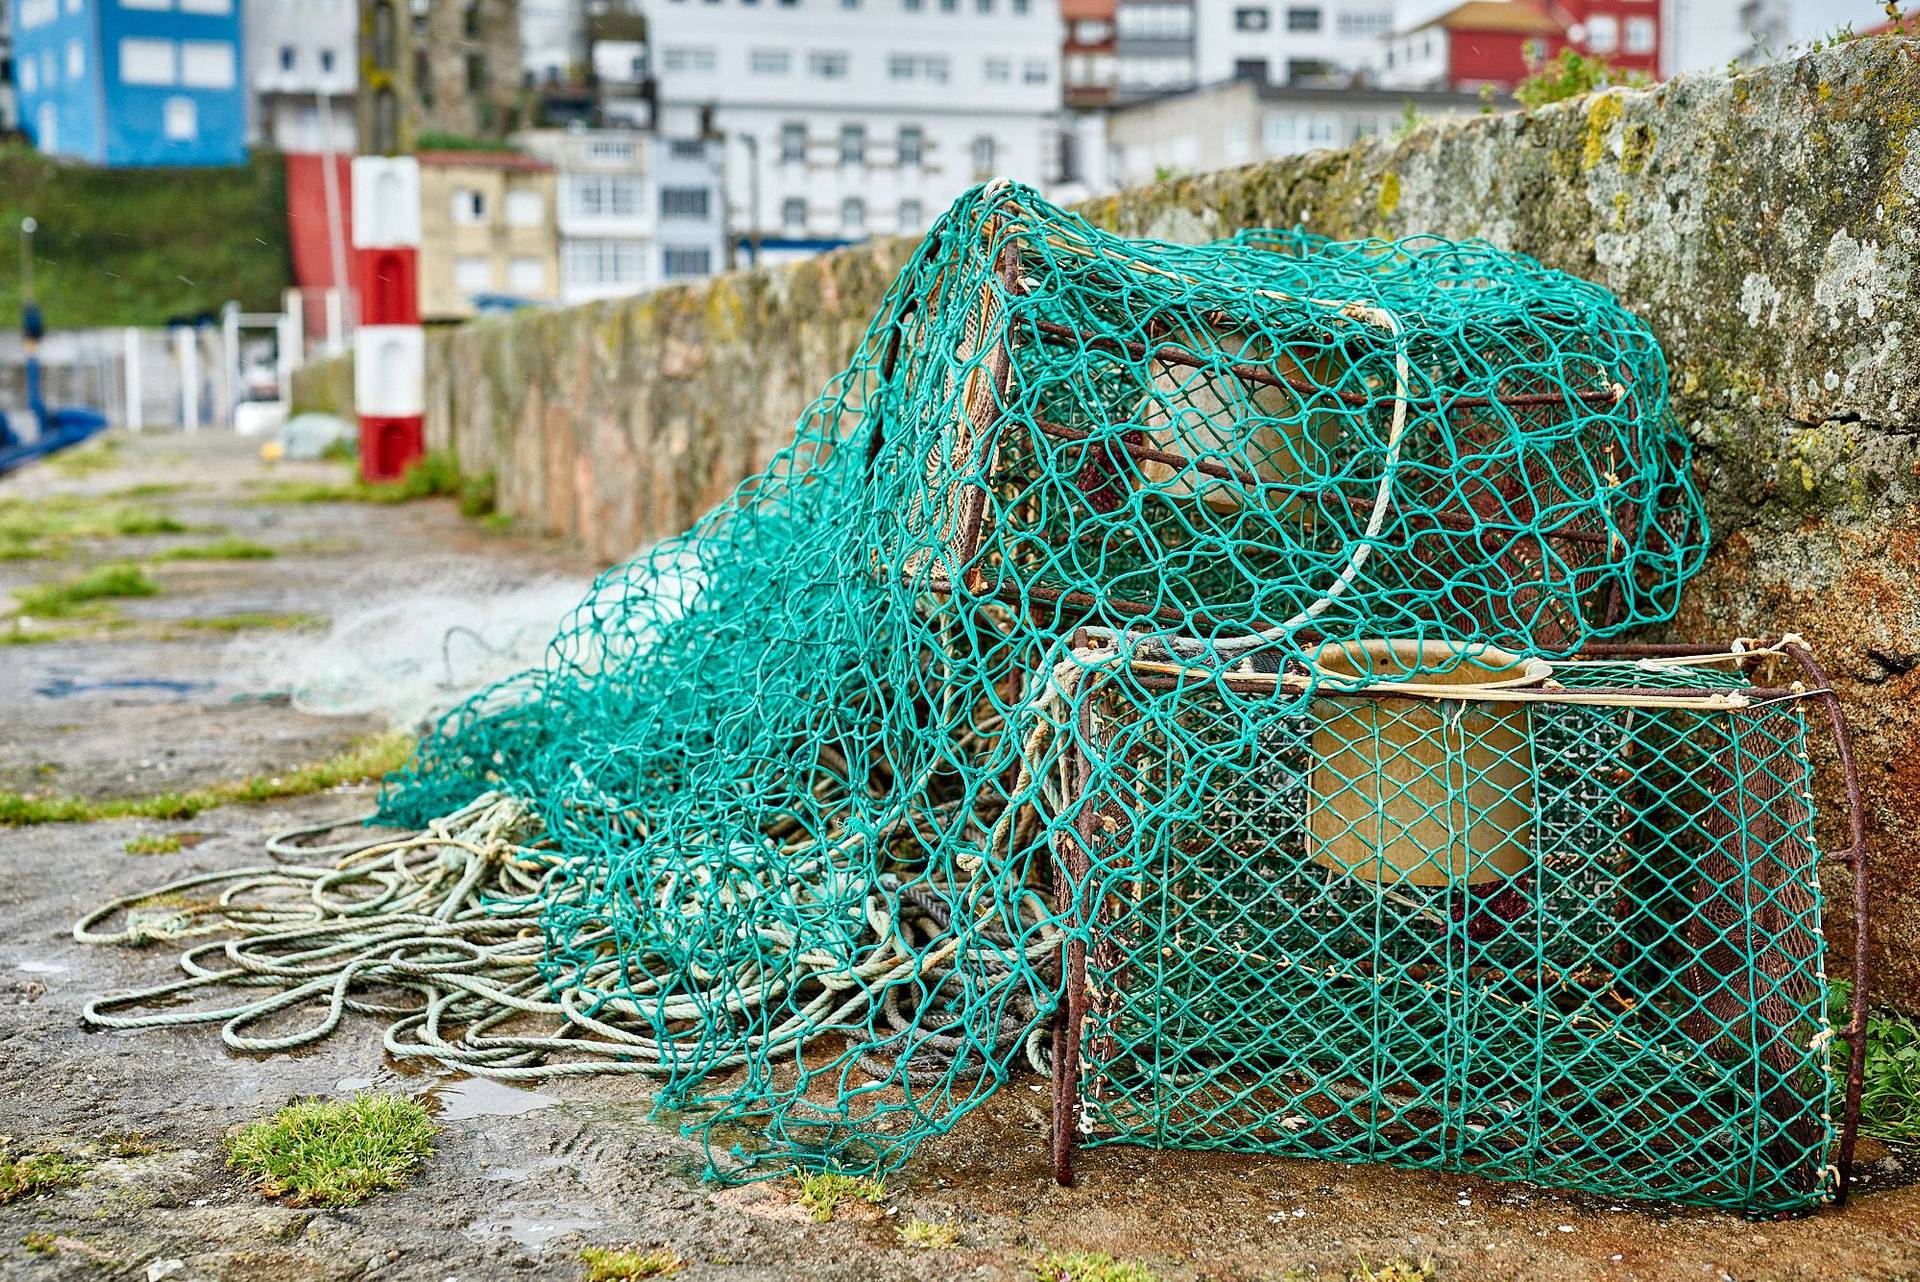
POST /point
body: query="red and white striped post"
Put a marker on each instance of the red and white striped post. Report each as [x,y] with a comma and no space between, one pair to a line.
[389,347]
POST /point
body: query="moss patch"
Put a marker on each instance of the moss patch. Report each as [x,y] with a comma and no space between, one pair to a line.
[1089,1266]
[629,1264]
[153,844]
[367,759]
[822,1193]
[327,1152]
[929,1235]
[26,1175]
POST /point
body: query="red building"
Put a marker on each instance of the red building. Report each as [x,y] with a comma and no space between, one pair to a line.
[1089,67]
[1499,42]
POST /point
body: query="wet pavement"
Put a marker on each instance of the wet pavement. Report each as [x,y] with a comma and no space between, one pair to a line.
[522,1179]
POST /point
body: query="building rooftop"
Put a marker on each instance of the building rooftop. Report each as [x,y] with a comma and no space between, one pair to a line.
[1513,17]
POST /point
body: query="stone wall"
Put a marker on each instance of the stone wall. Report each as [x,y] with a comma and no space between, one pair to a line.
[1767,226]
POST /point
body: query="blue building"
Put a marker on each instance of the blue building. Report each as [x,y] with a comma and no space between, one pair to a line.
[132,82]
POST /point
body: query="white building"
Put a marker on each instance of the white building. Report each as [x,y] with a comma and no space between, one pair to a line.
[553,40]
[850,118]
[1289,41]
[302,69]
[1700,35]
[634,211]
[1239,122]
[1154,47]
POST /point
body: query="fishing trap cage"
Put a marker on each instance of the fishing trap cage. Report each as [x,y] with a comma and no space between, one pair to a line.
[1560,924]
[1281,432]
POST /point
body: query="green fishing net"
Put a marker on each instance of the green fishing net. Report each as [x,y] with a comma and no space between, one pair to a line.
[1014,656]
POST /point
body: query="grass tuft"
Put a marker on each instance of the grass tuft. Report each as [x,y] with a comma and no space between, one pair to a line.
[1890,1096]
[225,549]
[248,621]
[370,758]
[630,1263]
[1090,1266]
[822,1193]
[72,597]
[929,1235]
[34,1173]
[154,844]
[1420,1270]
[435,475]
[97,455]
[328,1152]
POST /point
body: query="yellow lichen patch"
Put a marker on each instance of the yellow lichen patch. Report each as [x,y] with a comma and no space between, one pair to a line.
[1389,198]
[1602,115]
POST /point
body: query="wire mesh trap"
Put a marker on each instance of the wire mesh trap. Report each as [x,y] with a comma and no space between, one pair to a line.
[1418,437]
[1561,925]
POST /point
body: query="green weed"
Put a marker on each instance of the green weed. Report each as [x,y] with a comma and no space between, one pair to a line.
[71,597]
[629,1264]
[153,844]
[435,475]
[822,1193]
[370,758]
[1089,1266]
[1571,74]
[327,1152]
[1890,1098]
[929,1235]
[224,549]
[248,621]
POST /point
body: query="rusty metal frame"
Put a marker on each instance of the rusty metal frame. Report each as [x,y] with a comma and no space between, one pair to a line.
[1071,855]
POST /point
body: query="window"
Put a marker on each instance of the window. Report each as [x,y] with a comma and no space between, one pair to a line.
[998,71]
[469,207]
[827,64]
[770,62]
[206,64]
[853,145]
[983,156]
[912,215]
[853,216]
[288,57]
[793,142]
[326,62]
[76,59]
[913,146]
[1254,69]
[1156,21]
[1368,24]
[73,6]
[1603,33]
[610,151]
[680,262]
[683,202]
[1019,7]
[605,262]
[1303,20]
[30,78]
[1036,72]
[1253,18]
[124,4]
[602,195]
[146,62]
[1092,31]
[1640,35]
[930,67]
[220,7]
[793,214]
[687,58]
[472,274]
[682,149]
[912,6]
[526,276]
[526,208]
[180,120]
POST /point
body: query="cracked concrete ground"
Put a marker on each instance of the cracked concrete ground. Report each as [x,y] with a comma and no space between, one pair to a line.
[521,1181]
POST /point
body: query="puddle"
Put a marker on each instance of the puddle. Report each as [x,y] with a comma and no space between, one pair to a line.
[41,968]
[481,1097]
[348,1085]
[67,687]
[532,1231]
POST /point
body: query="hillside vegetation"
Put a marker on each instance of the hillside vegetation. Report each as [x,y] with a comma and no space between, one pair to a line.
[137,246]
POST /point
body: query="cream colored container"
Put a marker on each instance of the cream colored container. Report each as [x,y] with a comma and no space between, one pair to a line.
[1417,790]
